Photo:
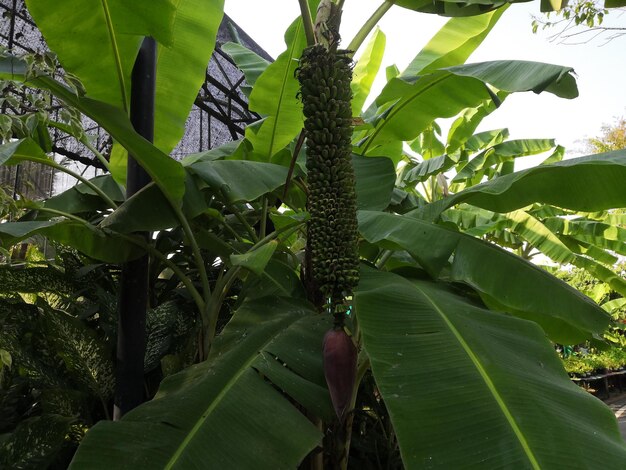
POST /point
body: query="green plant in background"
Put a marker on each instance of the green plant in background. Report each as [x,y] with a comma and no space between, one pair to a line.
[435,293]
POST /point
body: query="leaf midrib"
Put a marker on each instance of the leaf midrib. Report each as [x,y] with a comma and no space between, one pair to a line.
[487,380]
[245,367]
[116,53]
[282,88]
[400,106]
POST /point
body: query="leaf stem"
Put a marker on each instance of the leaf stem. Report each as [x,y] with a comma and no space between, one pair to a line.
[232,231]
[99,156]
[385,255]
[116,53]
[263,225]
[307,21]
[197,255]
[368,26]
[237,213]
[224,283]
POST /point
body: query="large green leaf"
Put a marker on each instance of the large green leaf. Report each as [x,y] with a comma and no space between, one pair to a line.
[366,69]
[148,210]
[255,260]
[375,178]
[520,287]
[166,172]
[412,104]
[240,180]
[470,388]
[586,229]
[542,238]
[181,67]
[615,3]
[463,128]
[588,184]
[86,239]
[463,8]
[202,415]
[424,170]
[112,31]
[81,198]
[275,96]
[502,152]
[249,62]
[104,39]
[454,43]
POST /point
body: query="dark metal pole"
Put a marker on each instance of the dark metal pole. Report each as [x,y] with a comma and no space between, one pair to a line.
[133,300]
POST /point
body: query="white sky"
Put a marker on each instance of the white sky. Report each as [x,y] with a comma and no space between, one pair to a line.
[600,66]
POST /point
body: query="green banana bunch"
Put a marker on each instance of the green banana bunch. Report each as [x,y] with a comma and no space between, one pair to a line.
[332,230]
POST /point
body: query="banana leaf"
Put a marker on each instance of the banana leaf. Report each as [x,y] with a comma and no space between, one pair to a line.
[452,372]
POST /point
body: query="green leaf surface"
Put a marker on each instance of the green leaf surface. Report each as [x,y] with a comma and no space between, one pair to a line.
[240,180]
[255,260]
[181,67]
[366,69]
[275,96]
[505,151]
[249,62]
[542,238]
[424,170]
[521,75]
[589,184]
[375,179]
[463,128]
[520,287]
[148,210]
[501,407]
[101,45]
[411,105]
[455,8]
[81,198]
[90,241]
[453,43]
[204,413]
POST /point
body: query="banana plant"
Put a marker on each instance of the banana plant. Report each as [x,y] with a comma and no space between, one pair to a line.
[447,325]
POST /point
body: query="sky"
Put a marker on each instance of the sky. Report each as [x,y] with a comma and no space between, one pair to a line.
[599,65]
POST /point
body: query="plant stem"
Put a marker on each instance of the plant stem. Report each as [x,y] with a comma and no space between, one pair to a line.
[224,282]
[215,305]
[307,21]
[231,207]
[263,226]
[197,255]
[385,255]
[426,194]
[99,156]
[232,231]
[368,26]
